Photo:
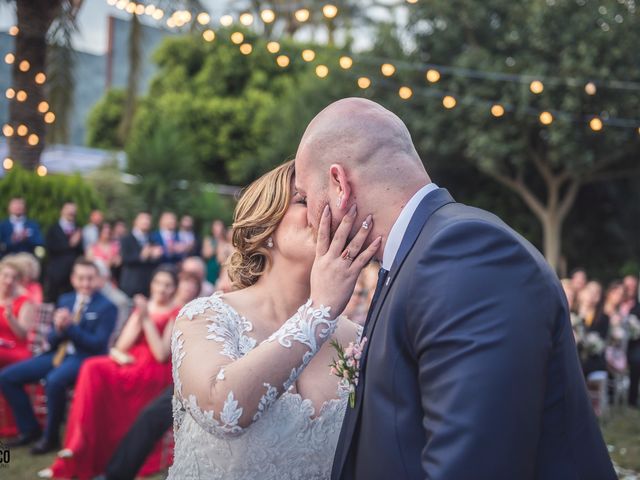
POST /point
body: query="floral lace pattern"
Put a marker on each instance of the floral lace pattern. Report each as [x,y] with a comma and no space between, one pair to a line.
[212,445]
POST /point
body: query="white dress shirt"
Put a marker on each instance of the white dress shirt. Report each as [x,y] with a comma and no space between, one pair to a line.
[402,223]
[80,300]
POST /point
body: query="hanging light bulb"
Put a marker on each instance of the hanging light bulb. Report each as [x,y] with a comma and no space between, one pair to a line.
[346,62]
[7,130]
[497,110]
[449,102]
[246,48]
[10,93]
[14,30]
[209,35]
[302,15]
[268,16]
[41,170]
[546,118]
[283,61]
[405,93]
[203,18]
[364,82]
[246,19]
[22,130]
[24,66]
[433,75]
[9,58]
[330,11]
[308,55]
[33,140]
[7,163]
[237,38]
[43,107]
[21,96]
[590,88]
[596,124]
[49,117]
[226,20]
[158,14]
[273,47]
[322,71]
[387,69]
[536,87]
[40,78]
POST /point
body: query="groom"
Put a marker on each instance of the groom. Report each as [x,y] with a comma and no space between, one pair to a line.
[471,370]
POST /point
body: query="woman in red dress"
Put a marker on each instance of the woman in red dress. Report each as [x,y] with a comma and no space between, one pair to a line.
[16,318]
[31,273]
[112,390]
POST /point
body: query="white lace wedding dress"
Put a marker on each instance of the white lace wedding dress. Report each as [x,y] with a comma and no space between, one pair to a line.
[285,437]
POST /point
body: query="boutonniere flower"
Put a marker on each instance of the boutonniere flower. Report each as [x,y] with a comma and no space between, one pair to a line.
[347,366]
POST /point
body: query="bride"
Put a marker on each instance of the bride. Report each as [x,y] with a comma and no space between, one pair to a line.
[254,397]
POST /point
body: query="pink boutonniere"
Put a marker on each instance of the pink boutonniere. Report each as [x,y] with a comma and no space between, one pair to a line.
[347,366]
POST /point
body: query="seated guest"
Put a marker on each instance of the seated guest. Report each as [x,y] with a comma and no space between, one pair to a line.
[189,288]
[167,237]
[18,233]
[105,249]
[116,296]
[140,257]
[64,246]
[197,266]
[83,323]
[112,390]
[188,242]
[210,246]
[16,319]
[31,269]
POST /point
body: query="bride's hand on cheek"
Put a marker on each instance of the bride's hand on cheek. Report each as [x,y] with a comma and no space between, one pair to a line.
[338,263]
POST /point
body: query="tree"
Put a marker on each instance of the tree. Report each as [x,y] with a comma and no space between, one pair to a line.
[546,166]
[34,21]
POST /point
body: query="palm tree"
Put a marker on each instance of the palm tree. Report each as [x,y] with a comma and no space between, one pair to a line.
[27,108]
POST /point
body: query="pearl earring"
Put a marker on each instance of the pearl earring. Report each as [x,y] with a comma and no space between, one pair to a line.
[270,242]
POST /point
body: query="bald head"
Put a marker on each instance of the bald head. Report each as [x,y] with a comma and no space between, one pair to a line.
[357,132]
[355,151]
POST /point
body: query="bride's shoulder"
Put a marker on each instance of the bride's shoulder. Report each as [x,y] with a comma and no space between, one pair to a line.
[347,331]
[201,306]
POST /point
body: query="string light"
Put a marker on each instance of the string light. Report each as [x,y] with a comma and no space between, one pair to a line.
[433,75]
[413,2]
[590,88]
[43,107]
[596,124]
[33,140]
[203,18]
[449,102]
[24,66]
[283,61]
[322,71]
[7,163]
[546,118]
[308,55]
[268,16]
[40,78]
[246,48]
[22,130]
[302,15]
[157,14]
[131,7]
[140,9]
[7,130]
[14,30]
[330,11]
[246,19]
[273,47]
[149,9]
[21,96]
[209,35]
[346,62]
[9,58]
[497,110]
[226,20]
[536,87]
[49,117]
[237,38]
[364,82]
[41,170]
[10,93]
[121,4]
[387,69]
[405,93]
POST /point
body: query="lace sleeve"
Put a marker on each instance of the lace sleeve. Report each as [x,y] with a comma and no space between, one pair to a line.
[226,382]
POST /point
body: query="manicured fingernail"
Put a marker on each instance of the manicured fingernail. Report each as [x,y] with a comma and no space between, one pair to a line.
[326,211]
[367,223]
[352,210]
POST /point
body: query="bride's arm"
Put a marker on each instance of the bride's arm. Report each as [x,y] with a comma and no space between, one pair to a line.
[224,382]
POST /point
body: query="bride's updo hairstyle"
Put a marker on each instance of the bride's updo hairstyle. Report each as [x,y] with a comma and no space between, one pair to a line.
[258,213]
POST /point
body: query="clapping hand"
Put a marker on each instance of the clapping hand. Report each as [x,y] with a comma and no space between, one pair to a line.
[61,319]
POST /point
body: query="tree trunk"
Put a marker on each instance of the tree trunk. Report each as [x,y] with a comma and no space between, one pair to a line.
[552,239]
[34,20]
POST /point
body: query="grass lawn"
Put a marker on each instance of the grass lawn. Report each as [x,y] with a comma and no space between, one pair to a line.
[621,432]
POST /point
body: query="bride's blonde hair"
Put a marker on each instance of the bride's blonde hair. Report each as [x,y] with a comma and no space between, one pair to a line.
[257,215]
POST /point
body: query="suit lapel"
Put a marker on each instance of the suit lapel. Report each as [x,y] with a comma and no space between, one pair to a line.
[429,204]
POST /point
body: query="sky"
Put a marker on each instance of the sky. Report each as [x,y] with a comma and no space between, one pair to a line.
[92,21]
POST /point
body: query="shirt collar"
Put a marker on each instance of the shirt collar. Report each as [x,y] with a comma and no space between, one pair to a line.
[17,219]
[402,223]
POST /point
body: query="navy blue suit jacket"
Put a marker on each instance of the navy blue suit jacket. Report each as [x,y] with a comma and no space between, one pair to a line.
[33,240]
[471,370]
[157,239]
[91,335]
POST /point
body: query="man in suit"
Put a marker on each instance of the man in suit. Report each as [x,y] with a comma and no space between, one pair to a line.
[470,369]
[18,233]
[64,246]
[140,257]
[167,237]
[83,322]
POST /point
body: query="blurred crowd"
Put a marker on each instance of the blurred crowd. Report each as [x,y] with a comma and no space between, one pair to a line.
[87,311]
[606,326]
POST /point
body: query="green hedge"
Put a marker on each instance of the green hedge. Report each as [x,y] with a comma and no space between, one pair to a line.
[46,195]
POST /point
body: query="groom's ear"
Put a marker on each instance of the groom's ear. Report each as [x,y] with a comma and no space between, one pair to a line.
[339,187]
